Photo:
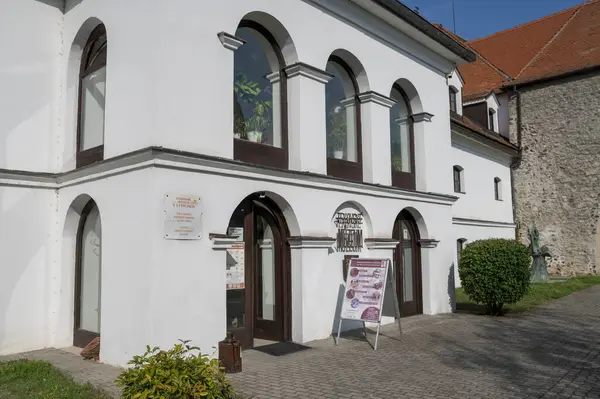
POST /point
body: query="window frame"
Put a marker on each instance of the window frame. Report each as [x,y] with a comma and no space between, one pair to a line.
[262,154]
[342,168]
[406,180]
[491,119]
[453,99]
[94,154]
[497,189]
[460,246]
[458,171]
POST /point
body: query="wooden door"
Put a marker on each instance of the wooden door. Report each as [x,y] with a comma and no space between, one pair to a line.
[261,308]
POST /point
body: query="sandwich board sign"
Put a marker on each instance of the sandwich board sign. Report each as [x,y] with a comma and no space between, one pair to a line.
[366,282]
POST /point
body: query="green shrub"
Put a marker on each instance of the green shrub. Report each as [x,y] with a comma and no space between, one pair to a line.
[175,373]
[495,272]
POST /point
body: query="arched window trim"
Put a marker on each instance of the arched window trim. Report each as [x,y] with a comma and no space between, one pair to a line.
[339,167]
[458,174]
[497,189]
[452,91]
[406,179]
[261,154]
[91,61]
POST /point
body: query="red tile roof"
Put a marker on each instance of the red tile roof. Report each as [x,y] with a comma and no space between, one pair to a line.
[481,131]
[560,43]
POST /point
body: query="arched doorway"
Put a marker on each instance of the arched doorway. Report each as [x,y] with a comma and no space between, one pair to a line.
[407,265]
[259,303]
[87,276]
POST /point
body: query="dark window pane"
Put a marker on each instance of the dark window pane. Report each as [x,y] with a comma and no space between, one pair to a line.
[257,90]
[400,125]
[341,107]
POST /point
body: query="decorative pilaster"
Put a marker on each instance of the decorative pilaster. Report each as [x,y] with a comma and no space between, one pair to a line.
[306,117]
[375,124]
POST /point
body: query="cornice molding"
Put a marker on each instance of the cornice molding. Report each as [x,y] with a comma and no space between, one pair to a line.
[168,158]
[377,98]
[381,243]
[483,223]
[422,117]
[222,241]
[298,242]
[230,41]
[428,243]
[308,71]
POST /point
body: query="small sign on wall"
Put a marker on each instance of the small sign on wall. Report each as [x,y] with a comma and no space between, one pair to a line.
[183,217]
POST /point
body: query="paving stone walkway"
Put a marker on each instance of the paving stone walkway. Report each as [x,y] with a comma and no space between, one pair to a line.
[551,352]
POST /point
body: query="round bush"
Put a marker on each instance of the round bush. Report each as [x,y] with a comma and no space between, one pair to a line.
[495,272]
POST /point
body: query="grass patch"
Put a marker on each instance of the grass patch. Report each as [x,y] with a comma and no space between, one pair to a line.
[37,379]
[538,295]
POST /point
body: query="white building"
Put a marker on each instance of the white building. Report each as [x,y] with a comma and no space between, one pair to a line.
[112,109]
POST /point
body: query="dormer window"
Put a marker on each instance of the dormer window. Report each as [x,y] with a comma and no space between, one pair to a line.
[491,117]
[453,94]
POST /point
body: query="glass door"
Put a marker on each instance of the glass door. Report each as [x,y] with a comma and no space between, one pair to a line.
[268,278]
[407,265]
[87,288]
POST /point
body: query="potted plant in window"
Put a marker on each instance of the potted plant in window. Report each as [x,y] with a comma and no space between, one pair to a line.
[338,132]
[258,123]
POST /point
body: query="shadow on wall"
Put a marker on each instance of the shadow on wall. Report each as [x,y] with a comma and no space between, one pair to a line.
[527,352]
[23,245]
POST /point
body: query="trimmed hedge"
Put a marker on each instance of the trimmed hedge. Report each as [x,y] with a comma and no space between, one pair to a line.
[495,272]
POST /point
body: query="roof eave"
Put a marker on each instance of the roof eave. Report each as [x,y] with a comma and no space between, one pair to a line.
[421,24]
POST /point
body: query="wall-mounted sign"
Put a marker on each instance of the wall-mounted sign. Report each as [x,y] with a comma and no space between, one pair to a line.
[349,237]
[183,217]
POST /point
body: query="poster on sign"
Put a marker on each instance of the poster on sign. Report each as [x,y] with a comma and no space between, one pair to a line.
[235,278]
[365,289]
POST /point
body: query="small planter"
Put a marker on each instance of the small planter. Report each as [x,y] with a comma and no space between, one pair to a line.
[255,136]
[338,154]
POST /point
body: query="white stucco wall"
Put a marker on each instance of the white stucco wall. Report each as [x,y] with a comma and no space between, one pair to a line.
[156,291]
[26,245]
[169,82]
[481,165]
[30,40]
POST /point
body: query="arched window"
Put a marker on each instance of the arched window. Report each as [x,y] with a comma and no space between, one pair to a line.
[452,93]
[401,140]
[491,117]
[459,183]
[92,92]
[344,158]
[259,100]
[497,189]
[87,277]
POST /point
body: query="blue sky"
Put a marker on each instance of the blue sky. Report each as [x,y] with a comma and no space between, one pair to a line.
[478,18]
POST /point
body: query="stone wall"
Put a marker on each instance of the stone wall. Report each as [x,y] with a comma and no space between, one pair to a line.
[557,183]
